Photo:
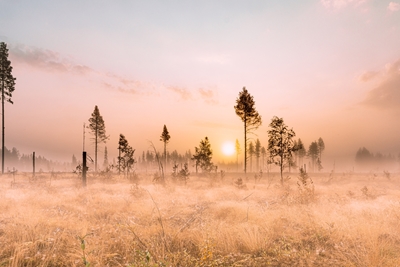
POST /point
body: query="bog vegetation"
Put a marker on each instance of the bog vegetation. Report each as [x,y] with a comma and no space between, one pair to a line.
[342,219]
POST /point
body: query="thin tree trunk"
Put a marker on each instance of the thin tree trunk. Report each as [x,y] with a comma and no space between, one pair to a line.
[3,128]
[95,147]
[245,146]
[165,154]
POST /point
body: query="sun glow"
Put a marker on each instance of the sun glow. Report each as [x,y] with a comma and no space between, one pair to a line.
[228,148]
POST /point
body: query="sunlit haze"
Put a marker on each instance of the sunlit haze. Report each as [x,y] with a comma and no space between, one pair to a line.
[329,68]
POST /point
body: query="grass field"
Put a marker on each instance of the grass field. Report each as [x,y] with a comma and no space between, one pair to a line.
[343,219]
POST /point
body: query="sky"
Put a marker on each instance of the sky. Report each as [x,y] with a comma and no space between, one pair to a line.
[329,68]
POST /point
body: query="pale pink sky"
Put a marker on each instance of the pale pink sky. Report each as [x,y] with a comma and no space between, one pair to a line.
[330,68]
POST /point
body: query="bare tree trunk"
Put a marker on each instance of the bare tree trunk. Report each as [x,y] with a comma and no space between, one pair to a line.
[3,128]
[245,146]
[95,148]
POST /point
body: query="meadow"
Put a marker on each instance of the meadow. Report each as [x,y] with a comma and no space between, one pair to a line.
[340,219]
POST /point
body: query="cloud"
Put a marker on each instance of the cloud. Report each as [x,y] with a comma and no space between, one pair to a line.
[387,94]
[46,59]
[393,7]
[368,75]
[207,95]
[182,92]
[339,4]
[51,61]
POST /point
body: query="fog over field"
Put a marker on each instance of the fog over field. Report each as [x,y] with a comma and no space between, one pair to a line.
[200,133]
[329,68]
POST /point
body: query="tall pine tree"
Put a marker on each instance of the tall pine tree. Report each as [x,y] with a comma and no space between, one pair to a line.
[249,115]
[98,129]
[7,88]
[165,139]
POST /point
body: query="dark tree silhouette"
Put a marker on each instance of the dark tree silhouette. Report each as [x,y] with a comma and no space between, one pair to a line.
[321,147]
[251,154]
[203,156]
[125,157]
[98,129]
[280,143]
[165,139]
[263,154]
[257,153]
[313,153]
[300,152]
[251,119]
[7,88]
[237,149]
[105,162]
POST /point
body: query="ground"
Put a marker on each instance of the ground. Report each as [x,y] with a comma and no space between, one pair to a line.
[337,219]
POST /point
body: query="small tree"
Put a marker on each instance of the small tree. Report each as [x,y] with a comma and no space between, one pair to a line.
[280,143]
[125,157]
[165,138]
[263,154]
[203,156]
[98,129]
[251,119]
[251,154]
[321,148]
[300,151]
[105,163]
[257,153]
[237,149]
[313,153]
[7,88]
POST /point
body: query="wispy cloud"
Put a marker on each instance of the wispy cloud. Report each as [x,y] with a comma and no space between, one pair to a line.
[393,7]
[339,4]
[182,92]
[387,94]
[46,59]
[368,75]
[207,95]
[50,61]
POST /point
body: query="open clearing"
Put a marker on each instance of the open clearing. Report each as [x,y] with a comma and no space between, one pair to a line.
[348,220]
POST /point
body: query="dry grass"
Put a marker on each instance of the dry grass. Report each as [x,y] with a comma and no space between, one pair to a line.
[350,220]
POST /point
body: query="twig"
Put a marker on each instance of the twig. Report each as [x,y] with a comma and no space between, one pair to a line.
[247,196]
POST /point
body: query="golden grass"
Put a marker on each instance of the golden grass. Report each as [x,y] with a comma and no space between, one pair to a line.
[205,223]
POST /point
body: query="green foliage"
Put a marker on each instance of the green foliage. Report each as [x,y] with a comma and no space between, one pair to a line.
[245,109]
[83,248]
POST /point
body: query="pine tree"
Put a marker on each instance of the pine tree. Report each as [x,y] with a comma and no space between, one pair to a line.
[321,147]
[301,151]
[203,156]
[251,154]
[98,129]
[251,119]
[125,157]
[257,153]
[165,138]
[313,153]
[7,88]
[105,163]
[280,143]
[263,153]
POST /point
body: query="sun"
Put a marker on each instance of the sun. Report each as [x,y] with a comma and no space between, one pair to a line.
[228,148]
